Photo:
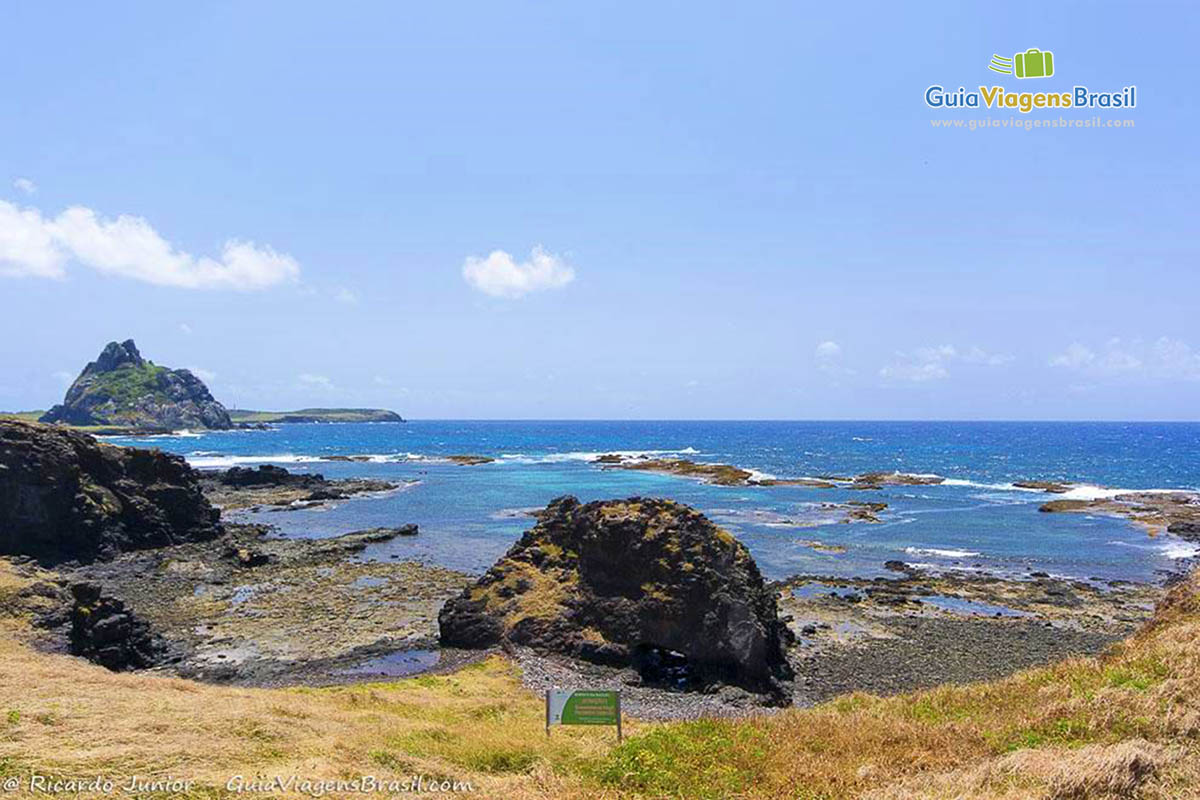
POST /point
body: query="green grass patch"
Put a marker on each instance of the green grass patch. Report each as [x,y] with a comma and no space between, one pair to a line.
[705,759]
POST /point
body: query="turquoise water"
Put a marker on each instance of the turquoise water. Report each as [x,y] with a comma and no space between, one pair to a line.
[469,515]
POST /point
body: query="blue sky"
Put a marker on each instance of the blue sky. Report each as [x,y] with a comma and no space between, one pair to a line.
[502,210]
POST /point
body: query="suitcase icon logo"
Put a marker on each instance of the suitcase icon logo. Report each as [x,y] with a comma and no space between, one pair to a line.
[1033,63]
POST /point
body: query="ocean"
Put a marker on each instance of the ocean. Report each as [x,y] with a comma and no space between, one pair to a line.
[975,521]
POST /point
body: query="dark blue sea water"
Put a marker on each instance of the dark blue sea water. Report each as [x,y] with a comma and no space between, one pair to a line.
[469,515]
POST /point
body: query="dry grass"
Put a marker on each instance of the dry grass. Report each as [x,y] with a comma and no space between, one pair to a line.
[1125,725]
[64,717]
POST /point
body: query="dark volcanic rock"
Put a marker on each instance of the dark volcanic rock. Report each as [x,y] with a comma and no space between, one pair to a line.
[267,475]
[123,389]
[66,497]
[641,582]
[104,631]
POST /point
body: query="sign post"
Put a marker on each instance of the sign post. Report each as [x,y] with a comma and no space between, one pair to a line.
[576,707]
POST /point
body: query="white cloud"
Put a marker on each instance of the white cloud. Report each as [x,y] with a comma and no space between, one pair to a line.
[37,246]
[208,376]
[25,186]
[28,248]
[1164,359]
[346,296]
[916,372]
[316,381]
[1076,355]
[977,355]
[932,363]
[63,377]
[185,328]
[828,350]
[500,276]
[829,359]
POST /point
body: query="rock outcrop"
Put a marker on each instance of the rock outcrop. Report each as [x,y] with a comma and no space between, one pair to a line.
[120,388]
[646,583]
[104,631]
[66,497]
[267,475]
[243,487]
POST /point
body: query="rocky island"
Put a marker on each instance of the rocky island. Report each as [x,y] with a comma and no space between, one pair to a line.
[122,389]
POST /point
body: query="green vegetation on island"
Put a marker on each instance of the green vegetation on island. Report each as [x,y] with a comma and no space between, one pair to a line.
[122,389]
[241,415]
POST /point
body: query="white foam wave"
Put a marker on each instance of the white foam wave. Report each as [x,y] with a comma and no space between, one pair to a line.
[1089,492]
[590,456]
[1178,550]
[1175,549]
[211,461]
[939,551]
[998,487]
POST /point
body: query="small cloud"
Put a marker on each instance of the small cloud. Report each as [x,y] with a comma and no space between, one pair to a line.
[185,328]
[500,276]
[63,377]
[345,296]
[932,363]
[25,186]
[977,355]
[1163,359]
[828,350]
[208,376]
[829,359]
[1075,356]
[317,381]
[915,372]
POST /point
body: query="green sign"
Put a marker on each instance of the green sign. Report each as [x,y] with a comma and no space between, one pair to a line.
[583,708]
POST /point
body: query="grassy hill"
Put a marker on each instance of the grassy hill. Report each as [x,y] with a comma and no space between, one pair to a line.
[1123,725]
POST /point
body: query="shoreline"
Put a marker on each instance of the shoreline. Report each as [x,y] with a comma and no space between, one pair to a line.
[253,610]
[250,609]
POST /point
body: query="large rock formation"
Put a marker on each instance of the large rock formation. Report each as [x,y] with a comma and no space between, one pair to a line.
[642,582]
[122,388]
[66,497]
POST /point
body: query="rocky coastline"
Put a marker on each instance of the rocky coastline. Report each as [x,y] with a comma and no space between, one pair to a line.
[161,582]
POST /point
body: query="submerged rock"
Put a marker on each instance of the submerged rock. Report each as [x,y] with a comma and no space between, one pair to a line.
[641,582]
[123,389]
[66,497]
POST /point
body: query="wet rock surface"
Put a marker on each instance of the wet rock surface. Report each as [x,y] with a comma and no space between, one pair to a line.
[640,582]
[252,610]
[918,630]
[1163,511]
[267,485]
[64,496]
